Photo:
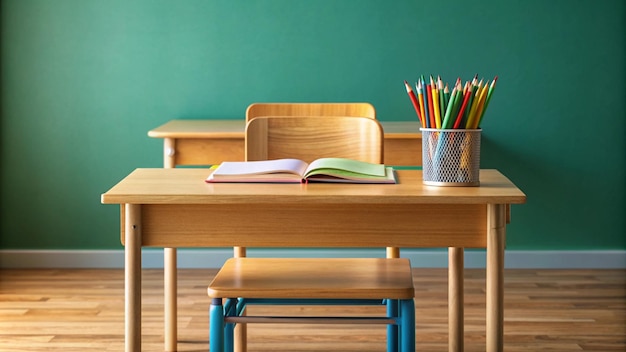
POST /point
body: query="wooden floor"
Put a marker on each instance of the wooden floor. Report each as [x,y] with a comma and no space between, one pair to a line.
[83,310]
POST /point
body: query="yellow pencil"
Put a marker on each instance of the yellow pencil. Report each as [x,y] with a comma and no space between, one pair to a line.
[435,103]
[481,106]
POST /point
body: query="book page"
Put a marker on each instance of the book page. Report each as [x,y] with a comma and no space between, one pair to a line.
[338,176]
[243,168]
[347,166]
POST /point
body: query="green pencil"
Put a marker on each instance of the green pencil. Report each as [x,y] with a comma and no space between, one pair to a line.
[446,95]
[452,104]
[442,99]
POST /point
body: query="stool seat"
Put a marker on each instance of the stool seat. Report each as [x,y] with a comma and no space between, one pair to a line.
[313,281]
[327,278]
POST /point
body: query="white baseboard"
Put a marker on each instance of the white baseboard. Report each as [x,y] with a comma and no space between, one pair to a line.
[214,258]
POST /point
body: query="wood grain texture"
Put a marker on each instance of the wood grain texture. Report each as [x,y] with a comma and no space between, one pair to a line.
[312,137]
[83,310]
[310,109]
[187,186]
[307,226]
[206,142]
[327,278]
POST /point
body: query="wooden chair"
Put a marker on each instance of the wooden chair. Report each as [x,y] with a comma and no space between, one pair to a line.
[306,281]
[352,109]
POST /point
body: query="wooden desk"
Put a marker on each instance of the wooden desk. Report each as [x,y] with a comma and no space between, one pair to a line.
[207,142]
[175,208]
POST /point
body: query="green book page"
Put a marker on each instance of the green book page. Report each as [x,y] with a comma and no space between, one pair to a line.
[345,167]
[334,175]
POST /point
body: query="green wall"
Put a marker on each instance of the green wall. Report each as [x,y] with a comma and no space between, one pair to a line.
[84,80]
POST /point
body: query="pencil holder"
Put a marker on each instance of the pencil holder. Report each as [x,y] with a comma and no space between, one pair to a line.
[451,157]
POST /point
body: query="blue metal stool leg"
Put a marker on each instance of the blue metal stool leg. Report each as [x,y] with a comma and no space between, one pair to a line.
[392,329]
[216,325]
[229,337]
[407,325]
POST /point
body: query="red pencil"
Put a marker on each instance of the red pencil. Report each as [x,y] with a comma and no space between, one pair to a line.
[431,112]
[416,104]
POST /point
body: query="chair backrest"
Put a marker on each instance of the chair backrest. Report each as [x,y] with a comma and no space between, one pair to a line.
[310,109]
[307,138]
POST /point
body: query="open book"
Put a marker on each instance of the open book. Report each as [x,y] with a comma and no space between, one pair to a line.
[296,171]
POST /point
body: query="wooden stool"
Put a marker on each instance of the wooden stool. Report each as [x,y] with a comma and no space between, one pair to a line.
[313,281]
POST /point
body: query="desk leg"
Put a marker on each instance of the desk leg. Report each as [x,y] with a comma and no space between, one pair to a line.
[241,330]
[496,238]
[132,273]
[170,278]
[169,153]
[171,306]
[455,299]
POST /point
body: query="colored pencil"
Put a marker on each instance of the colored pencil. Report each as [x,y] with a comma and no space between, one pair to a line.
[431,113]
[446,120]
[474,104]
[427,114]
[420,98]
[458,101]
[489,93]
[436,106]
[416,104]
[463,108]
[482,96]
[446,98]
[442,98]
[473,87]
[466,96]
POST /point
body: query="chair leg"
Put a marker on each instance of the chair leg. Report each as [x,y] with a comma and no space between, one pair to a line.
[216,325]
[400,336]
[241,333]
[229,337]
[231,309]
[407,325]
[392,329]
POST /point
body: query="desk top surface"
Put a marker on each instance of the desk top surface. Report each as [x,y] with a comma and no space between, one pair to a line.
[235,129]
[188,186]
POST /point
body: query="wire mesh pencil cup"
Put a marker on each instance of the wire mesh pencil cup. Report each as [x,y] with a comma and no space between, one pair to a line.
[451,157]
